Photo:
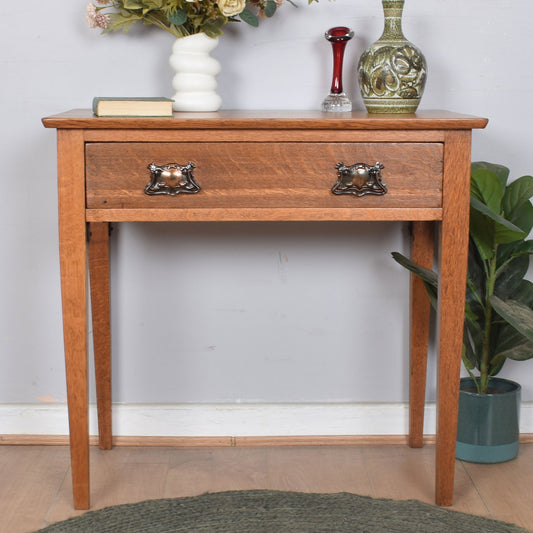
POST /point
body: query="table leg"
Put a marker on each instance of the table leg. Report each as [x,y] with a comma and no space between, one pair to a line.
[73,256]
[422,248]
[100,307]
[453,261]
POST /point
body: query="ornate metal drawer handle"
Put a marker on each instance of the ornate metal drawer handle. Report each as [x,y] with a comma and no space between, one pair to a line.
[359,179]
[171,179]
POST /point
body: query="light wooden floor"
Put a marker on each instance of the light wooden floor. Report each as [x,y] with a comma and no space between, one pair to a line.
[35,486]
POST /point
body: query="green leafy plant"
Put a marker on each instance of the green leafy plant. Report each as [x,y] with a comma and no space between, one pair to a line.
[180,17]
[499,301]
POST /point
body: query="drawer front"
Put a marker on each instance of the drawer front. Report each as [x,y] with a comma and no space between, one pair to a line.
[262,174]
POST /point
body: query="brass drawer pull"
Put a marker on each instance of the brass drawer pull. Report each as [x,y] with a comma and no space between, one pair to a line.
[359,179]
[171,179]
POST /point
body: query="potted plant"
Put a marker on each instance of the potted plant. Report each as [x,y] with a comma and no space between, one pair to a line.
[498,312]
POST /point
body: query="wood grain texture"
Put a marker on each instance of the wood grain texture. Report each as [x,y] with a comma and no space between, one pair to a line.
[262,175]
[73,257]
[195,442]
[272,214]
[266,166]
[422,248]
[262,135]
[35,490]
[453,260]
[101,319]
[30,478]
[271,120]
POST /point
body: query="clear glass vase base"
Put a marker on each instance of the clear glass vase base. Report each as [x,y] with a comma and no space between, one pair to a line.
[337,103]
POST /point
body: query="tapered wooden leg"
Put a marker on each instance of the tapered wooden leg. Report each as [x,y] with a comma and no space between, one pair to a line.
[422,248]
[73,255]
[100,306]
[453,261]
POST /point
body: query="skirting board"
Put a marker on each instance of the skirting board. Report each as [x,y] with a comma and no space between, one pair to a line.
[237,420]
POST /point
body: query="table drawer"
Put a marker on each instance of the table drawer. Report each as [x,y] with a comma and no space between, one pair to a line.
[262,174]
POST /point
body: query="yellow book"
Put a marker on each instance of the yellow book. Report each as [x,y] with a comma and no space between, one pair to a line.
[132,107]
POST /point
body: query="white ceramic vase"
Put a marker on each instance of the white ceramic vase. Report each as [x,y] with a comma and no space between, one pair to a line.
[194,81]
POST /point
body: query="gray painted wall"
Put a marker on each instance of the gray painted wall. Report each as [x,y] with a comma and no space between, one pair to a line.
[260,312]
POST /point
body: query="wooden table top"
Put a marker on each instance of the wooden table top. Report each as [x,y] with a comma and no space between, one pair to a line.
[282,120]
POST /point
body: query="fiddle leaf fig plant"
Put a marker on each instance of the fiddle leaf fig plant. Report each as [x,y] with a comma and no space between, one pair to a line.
[499,300]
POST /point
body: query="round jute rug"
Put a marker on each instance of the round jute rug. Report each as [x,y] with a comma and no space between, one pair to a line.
[278,512]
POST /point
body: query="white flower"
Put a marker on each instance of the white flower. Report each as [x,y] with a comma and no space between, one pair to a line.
[229,8]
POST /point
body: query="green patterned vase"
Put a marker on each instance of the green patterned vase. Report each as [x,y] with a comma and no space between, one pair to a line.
[392,71]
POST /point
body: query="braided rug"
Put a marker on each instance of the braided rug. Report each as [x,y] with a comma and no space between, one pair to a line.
[278,512]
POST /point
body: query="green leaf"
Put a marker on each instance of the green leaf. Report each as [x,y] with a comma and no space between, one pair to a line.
[488,229]
[118,22]
[517,314]
[425,274]
[506,252]
[496,364]
[153,4]
[482,233]
[510,276]
[133,4]
[247,16]
[523,293]
[213,27]
[429,277]
[505,338]
[486,188]
[517,193]
[472,338]
[476,272]
[475,301]
[270,8]
[522,217]
[521,352]
[178,17]
[505,231]
[468,357]
[501,172]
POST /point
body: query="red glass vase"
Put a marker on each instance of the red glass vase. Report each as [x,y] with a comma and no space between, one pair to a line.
[337,101]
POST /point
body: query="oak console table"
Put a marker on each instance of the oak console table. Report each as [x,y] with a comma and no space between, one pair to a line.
[263,166]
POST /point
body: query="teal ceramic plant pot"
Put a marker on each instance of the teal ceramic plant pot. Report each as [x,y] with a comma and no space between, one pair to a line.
[488,424]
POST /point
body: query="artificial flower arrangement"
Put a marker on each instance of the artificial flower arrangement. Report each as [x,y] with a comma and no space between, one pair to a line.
[180,17]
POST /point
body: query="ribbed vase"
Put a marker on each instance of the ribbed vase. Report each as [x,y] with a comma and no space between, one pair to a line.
[194,81]
[392,71]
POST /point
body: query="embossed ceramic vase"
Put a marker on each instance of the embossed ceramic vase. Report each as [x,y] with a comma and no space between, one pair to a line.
[194,81]
[392,71]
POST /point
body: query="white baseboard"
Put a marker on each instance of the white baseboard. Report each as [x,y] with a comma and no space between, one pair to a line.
[205,420]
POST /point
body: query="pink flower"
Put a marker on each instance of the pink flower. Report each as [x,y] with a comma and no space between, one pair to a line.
[96,19]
